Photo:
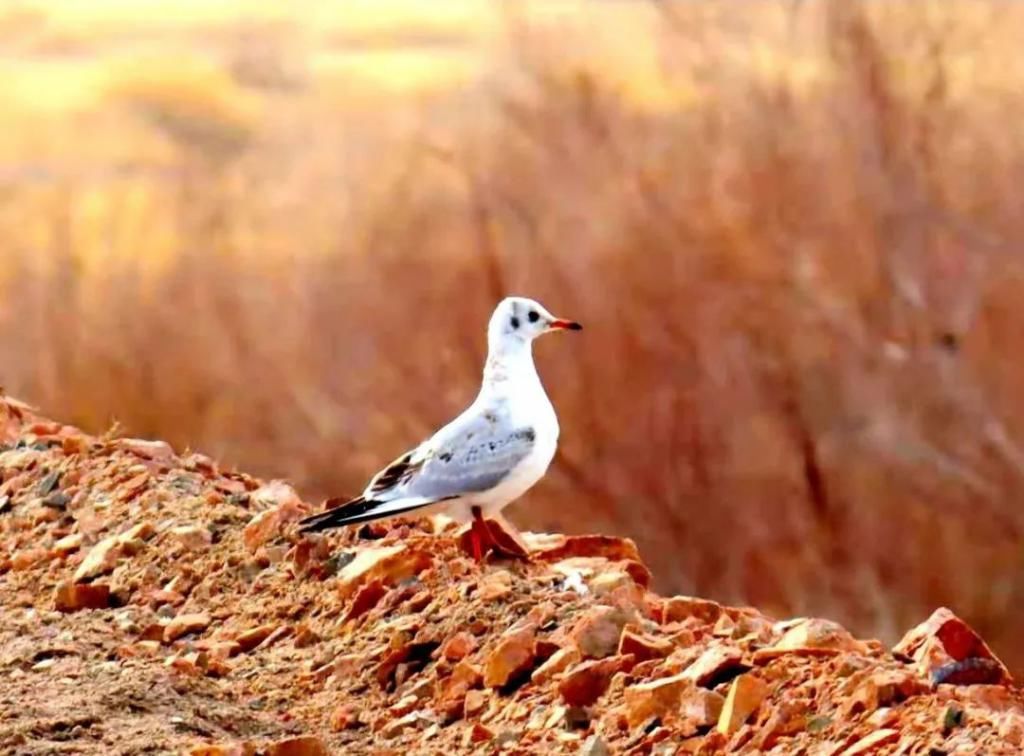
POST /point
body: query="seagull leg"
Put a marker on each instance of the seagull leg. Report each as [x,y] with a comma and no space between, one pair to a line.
[505,539]
[475,536]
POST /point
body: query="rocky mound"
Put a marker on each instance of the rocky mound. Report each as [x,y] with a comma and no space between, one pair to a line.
[155,603]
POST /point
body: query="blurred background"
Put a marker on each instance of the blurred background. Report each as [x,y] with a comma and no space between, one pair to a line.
[274,232]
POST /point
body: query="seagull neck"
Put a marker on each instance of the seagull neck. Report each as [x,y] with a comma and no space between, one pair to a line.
[510,360]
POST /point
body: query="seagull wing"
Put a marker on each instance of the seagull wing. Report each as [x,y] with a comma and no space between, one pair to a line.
[473,453]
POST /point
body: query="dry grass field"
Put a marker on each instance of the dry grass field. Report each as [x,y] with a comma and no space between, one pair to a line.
[793,232]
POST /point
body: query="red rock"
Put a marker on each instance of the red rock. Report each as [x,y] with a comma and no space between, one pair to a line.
[192,537]
[513,656]
[594,746]
[644,647]
[557,663]
[185,624]
[305,637]
[453,695]
[148,647]
[186,664]
[943,639]
[871,742]
[789,718]
[712,663]
[43,514]
[475,702]
[993,697]
[394,727]
[133,487]
[679,608]
[725,627]
[285,507]
[815,634]
[598,631]
[101,559]
[224,749]
[218,649]
[872,689]
[70,597]
[68,544]
[638,571]
[608,581]
[27,558]
[306,745]
[701,707]
[344,717]
[248,640]
[365,599]
[495,585]
[745,694]
[1011,729]
[583,684]
[143,531]
[160,596]
[654,699]
[153,631]
[554,547]
[159,451]
[480,734]
[389,564]
[458,647]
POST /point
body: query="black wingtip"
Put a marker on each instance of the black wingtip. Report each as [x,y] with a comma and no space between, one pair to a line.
[336,516]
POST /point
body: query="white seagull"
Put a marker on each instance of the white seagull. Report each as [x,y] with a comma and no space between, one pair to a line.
[488,456]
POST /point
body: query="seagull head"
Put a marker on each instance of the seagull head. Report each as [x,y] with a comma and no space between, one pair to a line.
[521,320]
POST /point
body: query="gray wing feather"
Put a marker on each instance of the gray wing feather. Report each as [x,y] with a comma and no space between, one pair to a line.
[468,457]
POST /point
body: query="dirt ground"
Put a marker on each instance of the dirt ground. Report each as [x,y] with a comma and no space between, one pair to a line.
[151,602]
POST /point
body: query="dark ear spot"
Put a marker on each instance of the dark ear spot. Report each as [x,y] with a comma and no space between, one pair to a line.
[514,321]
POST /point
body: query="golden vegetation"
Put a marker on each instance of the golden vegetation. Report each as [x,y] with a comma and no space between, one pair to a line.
[791,235]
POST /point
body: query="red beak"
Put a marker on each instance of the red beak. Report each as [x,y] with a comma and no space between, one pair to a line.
[564,325]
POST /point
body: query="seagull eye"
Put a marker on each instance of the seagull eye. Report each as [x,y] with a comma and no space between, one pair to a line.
[515,321]
[534,316]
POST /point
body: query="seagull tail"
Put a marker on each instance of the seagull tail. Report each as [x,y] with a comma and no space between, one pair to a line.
[360,509]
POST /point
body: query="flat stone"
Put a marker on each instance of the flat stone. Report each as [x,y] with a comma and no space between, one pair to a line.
[557,663]
[583,684]
[71,597]
[248,640]
[101,559]
[714,662]
[459,646]
[192,537]
[494,585]
[594,746]
[943,640]
[283,507]
[68,544]
[513,656]
[701,707]
[654,699]
[818,634]
[745,694]
[644,647]
[550,547]
[185,624]
[871,742]
[389,564]
[159,451]
[598,631]
[305,745]
[679,608]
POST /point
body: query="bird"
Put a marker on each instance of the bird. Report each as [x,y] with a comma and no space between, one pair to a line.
[485,458]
